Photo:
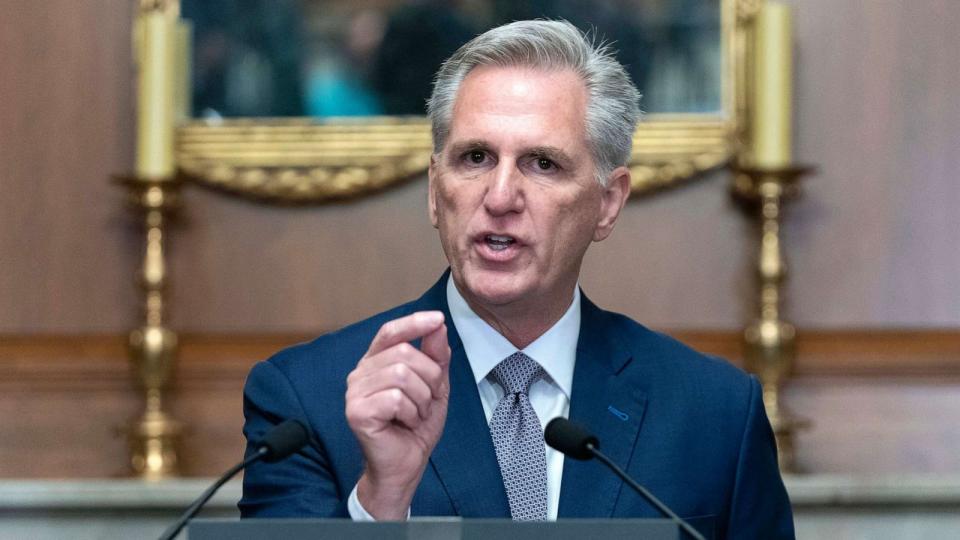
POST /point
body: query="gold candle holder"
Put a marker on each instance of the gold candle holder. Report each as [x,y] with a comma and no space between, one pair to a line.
[153,437]
[769,342]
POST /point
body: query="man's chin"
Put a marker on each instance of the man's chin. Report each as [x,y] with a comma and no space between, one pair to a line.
[501,290]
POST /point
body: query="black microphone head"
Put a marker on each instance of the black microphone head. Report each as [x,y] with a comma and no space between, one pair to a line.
[571,438]
[283,440]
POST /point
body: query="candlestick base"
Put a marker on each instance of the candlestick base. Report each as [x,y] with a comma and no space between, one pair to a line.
[769,342]
[153,440]
[153,437]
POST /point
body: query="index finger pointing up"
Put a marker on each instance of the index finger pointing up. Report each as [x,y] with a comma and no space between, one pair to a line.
[405,329]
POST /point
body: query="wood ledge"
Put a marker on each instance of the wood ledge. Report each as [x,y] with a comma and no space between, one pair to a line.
[99,362]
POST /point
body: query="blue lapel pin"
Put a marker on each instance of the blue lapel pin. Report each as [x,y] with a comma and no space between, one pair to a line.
[618,413]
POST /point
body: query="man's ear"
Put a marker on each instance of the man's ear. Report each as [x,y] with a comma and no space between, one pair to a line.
[612,199]
[432,191]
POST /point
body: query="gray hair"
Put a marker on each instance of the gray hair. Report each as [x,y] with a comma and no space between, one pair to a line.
[613,101]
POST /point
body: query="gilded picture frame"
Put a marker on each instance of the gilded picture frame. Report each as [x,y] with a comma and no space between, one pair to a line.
[308,160]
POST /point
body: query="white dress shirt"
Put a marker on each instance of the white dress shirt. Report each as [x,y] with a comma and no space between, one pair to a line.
[555,351]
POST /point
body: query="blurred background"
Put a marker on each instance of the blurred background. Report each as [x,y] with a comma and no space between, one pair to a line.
[872,242]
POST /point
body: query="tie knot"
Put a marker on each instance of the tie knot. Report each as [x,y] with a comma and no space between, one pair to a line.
[516,373]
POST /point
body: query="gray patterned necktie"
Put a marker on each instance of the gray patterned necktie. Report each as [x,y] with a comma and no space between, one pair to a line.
[518,439]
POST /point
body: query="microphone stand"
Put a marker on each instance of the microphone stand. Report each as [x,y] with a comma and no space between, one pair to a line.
[664,509]
[174,529]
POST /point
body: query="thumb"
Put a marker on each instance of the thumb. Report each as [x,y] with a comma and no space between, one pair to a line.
[436,347]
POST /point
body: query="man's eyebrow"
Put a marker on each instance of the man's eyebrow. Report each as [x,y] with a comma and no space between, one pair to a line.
[471,144]
[551,152]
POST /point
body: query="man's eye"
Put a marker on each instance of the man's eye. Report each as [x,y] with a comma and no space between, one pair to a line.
[476,157]
[542,165]
[545,164]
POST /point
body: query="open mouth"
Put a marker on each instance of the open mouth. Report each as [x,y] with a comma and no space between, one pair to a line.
[498,242]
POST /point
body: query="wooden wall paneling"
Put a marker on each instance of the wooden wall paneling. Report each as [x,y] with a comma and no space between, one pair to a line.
[66,257]
[877,425]
[871,243]
[889,396]
[61,402]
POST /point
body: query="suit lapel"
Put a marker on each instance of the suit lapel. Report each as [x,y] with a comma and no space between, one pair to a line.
[610,402]
[464,459]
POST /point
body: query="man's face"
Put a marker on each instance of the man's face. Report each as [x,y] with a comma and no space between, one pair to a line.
[514,192]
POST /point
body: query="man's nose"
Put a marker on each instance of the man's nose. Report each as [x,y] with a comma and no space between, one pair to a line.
[505,192]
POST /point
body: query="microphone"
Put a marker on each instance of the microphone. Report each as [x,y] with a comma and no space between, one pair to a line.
[281,441]
[576,441]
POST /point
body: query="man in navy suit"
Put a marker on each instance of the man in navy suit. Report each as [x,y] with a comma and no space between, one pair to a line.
[532,130]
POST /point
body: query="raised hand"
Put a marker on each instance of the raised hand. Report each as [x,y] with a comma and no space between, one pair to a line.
[396,405]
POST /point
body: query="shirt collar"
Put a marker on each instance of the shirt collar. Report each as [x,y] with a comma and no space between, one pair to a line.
[555,350]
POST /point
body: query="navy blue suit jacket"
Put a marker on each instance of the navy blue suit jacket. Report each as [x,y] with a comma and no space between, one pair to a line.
[691,428]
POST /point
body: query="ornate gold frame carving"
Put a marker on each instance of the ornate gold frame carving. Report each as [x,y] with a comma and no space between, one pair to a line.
[305,161]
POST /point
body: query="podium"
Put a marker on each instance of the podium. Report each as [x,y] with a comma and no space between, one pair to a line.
[433,529]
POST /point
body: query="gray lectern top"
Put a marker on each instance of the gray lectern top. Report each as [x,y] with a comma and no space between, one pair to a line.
[433,529]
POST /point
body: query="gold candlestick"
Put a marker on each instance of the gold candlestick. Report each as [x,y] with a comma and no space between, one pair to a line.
[154,193]
[153,437]
[769,341]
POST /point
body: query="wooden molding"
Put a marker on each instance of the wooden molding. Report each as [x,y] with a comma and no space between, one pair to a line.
[99,362]
[859,353]
[64,399]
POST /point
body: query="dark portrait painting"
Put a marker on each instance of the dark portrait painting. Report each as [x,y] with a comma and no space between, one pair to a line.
[330,58]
